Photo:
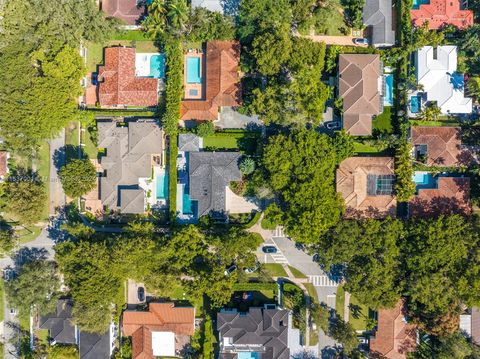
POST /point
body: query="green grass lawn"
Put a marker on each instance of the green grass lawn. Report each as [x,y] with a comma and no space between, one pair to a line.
[296,273]
[440,122]
[245,141]
[89,147]
[275,270]
[28,235]
[383,122]
[340,301]
[220,142]
[72,141]
[358,312]
[94,55]
[360,147]
[137,35]
[179,293]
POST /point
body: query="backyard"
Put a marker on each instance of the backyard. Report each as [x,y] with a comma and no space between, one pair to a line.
[383,122]
[246,141]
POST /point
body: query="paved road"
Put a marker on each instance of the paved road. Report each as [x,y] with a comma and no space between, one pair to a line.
[57,158]
[325,287]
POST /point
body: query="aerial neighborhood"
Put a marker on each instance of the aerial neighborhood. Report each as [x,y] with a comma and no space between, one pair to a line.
[240,179]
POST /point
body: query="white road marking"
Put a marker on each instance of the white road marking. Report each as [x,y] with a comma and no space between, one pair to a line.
[278,232]
[322,281]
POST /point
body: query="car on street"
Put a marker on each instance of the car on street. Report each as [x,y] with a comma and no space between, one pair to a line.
[13,312]
[360,41]
[269,249]
[230,270]
[141,294]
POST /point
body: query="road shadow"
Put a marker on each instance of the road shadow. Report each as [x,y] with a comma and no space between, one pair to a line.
[26,255]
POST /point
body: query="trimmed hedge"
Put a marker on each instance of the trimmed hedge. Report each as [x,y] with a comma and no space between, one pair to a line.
[208,342]
[253,221]
[174,86]
[172,181]
[254,286]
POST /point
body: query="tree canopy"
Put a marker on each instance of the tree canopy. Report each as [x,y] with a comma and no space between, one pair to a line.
[78,177]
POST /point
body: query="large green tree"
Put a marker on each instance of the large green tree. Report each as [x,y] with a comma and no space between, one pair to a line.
[300,167]
[78,177]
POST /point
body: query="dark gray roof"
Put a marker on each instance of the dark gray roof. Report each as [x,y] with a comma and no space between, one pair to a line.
[188,142]
[267,328]
[378,15]
[128,158]
[94,346]
[59,324]
[209,175]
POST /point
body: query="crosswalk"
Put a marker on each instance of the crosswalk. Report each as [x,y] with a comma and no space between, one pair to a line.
[323,281]
[279,258]
[278,232]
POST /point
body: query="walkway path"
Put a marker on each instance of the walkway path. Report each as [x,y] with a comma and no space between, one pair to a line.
[57,196]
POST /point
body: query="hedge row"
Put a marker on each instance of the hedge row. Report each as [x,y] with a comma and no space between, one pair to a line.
[172,181]
[174,86]
[254,286]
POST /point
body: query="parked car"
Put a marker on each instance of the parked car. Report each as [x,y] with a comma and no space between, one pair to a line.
[141,294]
[13,312]
[230,270]
[360,41]
[333,125]
[252,269]
[269,249]
[94,79]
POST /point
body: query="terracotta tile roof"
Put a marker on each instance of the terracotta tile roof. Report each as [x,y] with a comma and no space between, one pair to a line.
[476,325]
[451,197]
[442,12]
[3,163]
[161,317]
[353,177]
[443,144]
[358,85]
[125,10]
[394,338]
[222,82]
[118,84]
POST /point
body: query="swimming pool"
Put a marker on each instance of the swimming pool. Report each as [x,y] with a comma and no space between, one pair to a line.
[247,355]
[187,204]
[417,3]
[157,66]
[414,104]
[424,180]
[162,186]
[388,97]
[193,70]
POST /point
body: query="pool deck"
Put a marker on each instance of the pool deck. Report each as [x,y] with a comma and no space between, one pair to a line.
[198,87]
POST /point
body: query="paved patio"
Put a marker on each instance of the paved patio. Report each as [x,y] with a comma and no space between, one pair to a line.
[231,118]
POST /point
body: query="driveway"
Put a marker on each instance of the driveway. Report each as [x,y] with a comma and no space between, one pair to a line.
[334,40]
[57,159]
[230,118]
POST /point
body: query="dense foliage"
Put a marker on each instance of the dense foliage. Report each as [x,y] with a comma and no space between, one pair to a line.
[300,168]
[174,86]
[404,185]
[78,177]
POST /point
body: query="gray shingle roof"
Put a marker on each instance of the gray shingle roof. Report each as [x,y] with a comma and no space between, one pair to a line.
[59,324]
[209,175]
[94,346]
[378,15]
[188,142]
[267,328]
[128,157]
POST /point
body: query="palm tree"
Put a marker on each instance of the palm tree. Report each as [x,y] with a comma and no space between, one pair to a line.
[473,86]
[156,21]
[430,113]
[177,14]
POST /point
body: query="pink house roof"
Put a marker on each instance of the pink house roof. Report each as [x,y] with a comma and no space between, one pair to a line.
[118,84]
[126,10]
[442,12]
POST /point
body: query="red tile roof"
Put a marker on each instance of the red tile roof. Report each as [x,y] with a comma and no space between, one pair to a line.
[161,317]
[394,338]
[451,197]
[222,82]
[125,10]
[3,163]
[442,12]
[118,85]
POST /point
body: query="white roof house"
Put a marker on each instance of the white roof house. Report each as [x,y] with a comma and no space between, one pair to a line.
[436,71]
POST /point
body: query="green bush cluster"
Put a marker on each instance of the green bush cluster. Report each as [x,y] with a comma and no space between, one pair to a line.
[208,342]
[174,86]
[172,182]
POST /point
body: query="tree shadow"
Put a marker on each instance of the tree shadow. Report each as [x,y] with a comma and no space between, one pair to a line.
[67,153]
[355,311]
[27,255]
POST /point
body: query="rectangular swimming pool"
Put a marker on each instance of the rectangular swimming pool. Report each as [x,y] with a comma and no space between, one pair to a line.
[193,70]
[187,204]
[388,97]
[157,66]
[424,180]
[414,104]
[247,355]
[162,186]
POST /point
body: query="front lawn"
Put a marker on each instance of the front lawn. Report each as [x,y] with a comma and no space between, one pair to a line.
[275,270]
[358,312]
[296,273]
[244,141]
[383,122]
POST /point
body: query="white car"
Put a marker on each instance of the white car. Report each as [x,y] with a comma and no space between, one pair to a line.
[360,41]
[230,270]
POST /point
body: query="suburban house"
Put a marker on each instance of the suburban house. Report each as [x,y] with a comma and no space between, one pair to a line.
[118,83]
[162,331]
[442,194]
[366,184]
[129,12]
[470,324]
[133,177]
[394,338]
[439,82]
[378,19]
[61,330]
[360,85]
[211,80]
[4,157]
[438,13]
[439,146]
[260,333]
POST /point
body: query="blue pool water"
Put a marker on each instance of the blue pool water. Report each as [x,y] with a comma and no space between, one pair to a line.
[417,3]
[247,355]
[193,70]
[162,186]
[187,204]
[424,180]
[414,104]
[157,66]
[388,98]
[457,80]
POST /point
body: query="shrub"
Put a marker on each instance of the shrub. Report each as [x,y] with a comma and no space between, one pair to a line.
[272,217]
[205,129]
[208,342]
[404,186]
[174,86]
[247,166]
[78,177]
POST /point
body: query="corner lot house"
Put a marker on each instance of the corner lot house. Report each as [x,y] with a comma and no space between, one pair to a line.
[394,338]
[211,80]
[436,73]
[163,331]
[439,13]
[442,194]
[258,333]
[119,86]
[133,165]
[378,18]
[366,184]
[360,84]
[439,146]
[129,12]
[61,330]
